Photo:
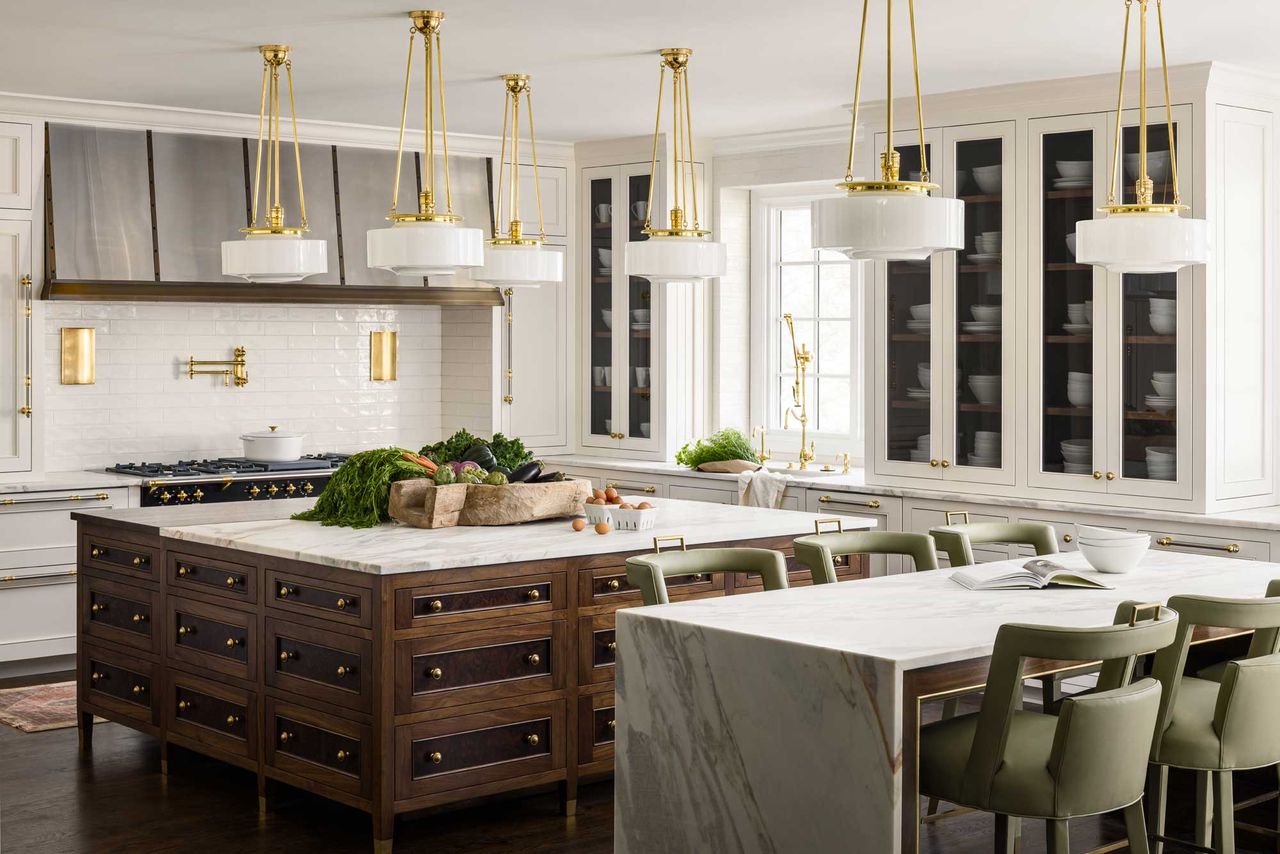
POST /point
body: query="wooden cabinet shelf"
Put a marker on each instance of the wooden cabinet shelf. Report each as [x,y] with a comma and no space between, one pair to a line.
[1068,339]
[909,337]
[993,267]
[981,199]
[1070,411]
[983,338]
[1163,340]
[1067,267]
[1150,415]
[1073,193]
[980,407]
[909,404]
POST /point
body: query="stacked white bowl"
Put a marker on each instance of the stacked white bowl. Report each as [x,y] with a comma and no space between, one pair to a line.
[986,449]
[1166,397]
[987,178]
[1163,316]
[986,313]
[1157,166]
[1071,244]
[985,387]
[920,453]
[920,312]
[1074,168]
[988,242]
[1162,462]
[1108,550]
[922,371]
[1078,313]
[1080,388]
[1077,455]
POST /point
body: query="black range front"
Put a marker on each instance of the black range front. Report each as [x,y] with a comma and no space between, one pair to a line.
[159,493]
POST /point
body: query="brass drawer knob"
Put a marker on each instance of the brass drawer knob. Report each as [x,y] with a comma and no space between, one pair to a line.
[612,646]
[139,689]
[186,630]
[435,673]
[95,676]
[286,737]
[613,725]
[345,671]
[436,757]
[97,552]
[342,604]
[1066,538]
[698,577]
[184,705]
[97,607]
[650,490]
[139,618]
[343,756]
[284,591]
[874,503]
[285,655]
[1111,475]
[1097,475]
[137,561]
[532,739]
[613,584]
[533,595]
[534,659]
[233,642]
[232,720]
[183,571]
[435,605]
[232,581]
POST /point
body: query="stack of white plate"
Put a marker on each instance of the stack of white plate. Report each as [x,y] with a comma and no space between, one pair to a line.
[920,327]
[1077,456]
[1162,462]
[920,453]
[988,178]
[1075,174]
[1080,388]
[986,449]
[1157,166]
[922,371]
[1108,550]
[985,387]
[917,393]
[988,245]
[1079,318]
[1163,316]
[1166,397]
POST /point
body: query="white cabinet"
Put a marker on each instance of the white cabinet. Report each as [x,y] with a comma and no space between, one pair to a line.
[886,510]
[534,382]
[16,357]
[15,165]
[553,187]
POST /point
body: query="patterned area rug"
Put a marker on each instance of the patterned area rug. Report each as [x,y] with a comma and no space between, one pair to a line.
[39,708]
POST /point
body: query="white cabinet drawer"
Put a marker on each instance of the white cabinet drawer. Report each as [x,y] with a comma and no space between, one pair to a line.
[1219,546]
[886,510]
[923,519]
[42,520]
[1065,529]
[635,486]
[39,616]
[711,494]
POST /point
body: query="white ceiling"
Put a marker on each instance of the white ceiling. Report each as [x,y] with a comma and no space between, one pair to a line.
[758,66]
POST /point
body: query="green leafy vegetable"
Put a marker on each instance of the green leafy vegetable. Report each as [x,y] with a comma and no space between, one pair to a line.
[357,494]
[509,452]
[728,444]
[451,449]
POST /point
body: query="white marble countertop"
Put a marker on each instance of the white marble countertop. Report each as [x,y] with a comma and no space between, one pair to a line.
[264,528]
[60,480]
[924,618]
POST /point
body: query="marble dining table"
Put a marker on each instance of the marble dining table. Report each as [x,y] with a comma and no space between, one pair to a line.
[787,721]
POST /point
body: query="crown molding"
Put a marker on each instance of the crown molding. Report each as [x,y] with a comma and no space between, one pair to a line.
[784,139]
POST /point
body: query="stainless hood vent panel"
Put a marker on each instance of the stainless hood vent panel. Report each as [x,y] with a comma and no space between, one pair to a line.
[198,204]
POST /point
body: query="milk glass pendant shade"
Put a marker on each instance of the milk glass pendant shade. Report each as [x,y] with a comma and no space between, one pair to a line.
[429,242]
[514,259]
[683,251]
[1146,236]
[272,252]
[888,219]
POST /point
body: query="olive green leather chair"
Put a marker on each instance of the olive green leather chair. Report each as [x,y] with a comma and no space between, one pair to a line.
[819,551]
[1090,758]
[650,572]
[958,540]
[1216,727]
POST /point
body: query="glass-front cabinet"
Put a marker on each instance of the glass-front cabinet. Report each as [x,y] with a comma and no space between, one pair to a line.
[618,373]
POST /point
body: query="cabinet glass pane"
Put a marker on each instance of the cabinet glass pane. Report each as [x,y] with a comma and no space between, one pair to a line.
[601,265]
[908,287]
[638,320]
[1067,298]
[978,304]
[1150,345]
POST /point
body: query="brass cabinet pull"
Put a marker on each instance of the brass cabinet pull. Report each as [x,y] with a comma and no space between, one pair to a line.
[139,618]
[873,503]
[285,737]
[284,591]
[945,464]
[1097,475]
[435,605]
[343,756]
[344,671]
[233,642]
[186,630]
[97,607]
[1066,538]
[285,655]
[933,463]
[97,552]
[1111,475]
[1229,548]
[698,577]
[95,676]
[533,595]
[185,705]
[612,646]
[232,581]
[137,561]
[532,739]
[182,570]
[139,689]
[435,673]
[613,725]
[650,490]
[341,604]
[533,658]
[613,584]
[232,720]
[436,757]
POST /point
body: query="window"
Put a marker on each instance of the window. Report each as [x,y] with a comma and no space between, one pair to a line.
[822,291]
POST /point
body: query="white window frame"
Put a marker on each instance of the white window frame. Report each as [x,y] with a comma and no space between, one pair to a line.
[765,355]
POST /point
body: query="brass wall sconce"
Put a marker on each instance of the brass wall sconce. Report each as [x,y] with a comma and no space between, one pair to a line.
[382,355]
[79,355]
[236,371]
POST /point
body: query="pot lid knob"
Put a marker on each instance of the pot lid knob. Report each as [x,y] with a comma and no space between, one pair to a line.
[273,427]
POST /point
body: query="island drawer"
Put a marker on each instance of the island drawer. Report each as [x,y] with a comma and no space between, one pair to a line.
[609,586]
[135,561]
[215,715]
[597,648]
[324,665]
[121,613]
[449,670]
[233,581]
[596,725]
[1218,546]
[120,683]
[326,599]
[443,755]
[330,751]
[445,604]
[208,636]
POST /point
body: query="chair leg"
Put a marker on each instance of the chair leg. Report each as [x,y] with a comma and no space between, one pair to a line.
[1224,814]
[1157,793]
[1005,837]
[1057,837]
[1048,692]
[1204,808]
[949,709]
[1135,827]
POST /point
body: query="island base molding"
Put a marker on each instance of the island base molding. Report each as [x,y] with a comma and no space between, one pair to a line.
[390,693]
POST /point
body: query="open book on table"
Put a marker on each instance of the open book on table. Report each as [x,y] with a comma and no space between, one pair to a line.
[1033,575]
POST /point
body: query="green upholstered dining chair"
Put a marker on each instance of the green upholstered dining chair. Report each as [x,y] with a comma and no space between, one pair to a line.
[1216,727]
[957,541]
[1090,758]
[649,572]
[818,552]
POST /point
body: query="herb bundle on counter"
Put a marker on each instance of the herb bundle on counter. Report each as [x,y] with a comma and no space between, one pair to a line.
[727,444]
[357,494]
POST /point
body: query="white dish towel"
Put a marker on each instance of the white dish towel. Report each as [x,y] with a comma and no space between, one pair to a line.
[762,488]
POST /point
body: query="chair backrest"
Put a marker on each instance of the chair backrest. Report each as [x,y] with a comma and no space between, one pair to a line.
[1101,742]
[958,540]
[649,572]
[819,551]
[1249,692]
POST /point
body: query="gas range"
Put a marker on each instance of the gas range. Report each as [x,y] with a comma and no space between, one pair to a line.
[230,479]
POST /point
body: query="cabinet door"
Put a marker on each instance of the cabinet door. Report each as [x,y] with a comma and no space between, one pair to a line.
[979,309]
[1068,322]
[536,346]
[1150,344]
[908,376]
[551,191]
[635,329]
[16,300]
[601,204]
[15,165]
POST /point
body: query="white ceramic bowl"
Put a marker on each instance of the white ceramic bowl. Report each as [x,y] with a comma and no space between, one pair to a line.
[1168,376]
[1071,244]
[988,178]
[1079,376]
[1163,323]
[922,442]
[605,256]
[607,316]
[640,315]
[1075,457]
[985,313]
[1079,396]
[271,446]
[1168,453]
[1095,534]
[1164,388]
[1074,168]
[985,388]
[1122,557]
[920,312]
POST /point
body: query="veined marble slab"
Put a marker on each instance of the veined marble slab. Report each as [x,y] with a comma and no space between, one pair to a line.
[56,481]
[772,722]
[390,549]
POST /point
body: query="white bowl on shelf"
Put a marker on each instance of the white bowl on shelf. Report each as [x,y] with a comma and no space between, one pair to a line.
[1078,396]
[920,312]
[922,442]
[922,372]
[1114,555]
[607,316]
[1075,313]
[1163,323]
[1077,468]
[986,313]
[1169,376]
[1165,388]
[986,388]
[1074,168]
[1071,244]
[988,178]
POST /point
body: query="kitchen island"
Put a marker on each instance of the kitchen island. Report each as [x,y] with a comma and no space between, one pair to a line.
[392,669]
[787,721]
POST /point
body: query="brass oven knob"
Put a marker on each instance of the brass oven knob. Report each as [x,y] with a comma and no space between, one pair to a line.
[533,658]
[182,570]
[253,491]
[435,605]
[290,489]
[232,581]
[139,618]
[272,489]
[435,673]
[308,488]
[613,584]
[197,494]
[343,756]
[184,705]
[533,595]
[232,720]
[436,757]
[532,739]
[182,495]
[165,496]
[344,671]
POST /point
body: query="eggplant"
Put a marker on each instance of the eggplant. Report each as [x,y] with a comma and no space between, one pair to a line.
[549,477]
[482,455]
[526,472]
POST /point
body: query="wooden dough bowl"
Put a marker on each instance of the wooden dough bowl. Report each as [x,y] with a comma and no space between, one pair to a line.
[422,504]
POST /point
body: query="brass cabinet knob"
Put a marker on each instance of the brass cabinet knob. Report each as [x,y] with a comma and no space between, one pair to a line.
[137,561]
[874,503]
[1097,475]
[97,607]
[650,490]
[284,591]
[232,581]
[286,737]
[234,642]
[232,720]
[1111,475]
[612,646]
[139,618]
[698,577]
[343,756]
[533,595]
[183,571]
[342,603]
[290,489]
[97,552]
[613,584]
[184,705]
[139,689]
[436,757]
[345,671]
[285,655]
[435,673]
[933,463]
[613,725]
[945,463]
[533,658]
[253,491]
[532,739]
[96,676]
[1066,538]
[1232,548]
[186,630]
[435,605]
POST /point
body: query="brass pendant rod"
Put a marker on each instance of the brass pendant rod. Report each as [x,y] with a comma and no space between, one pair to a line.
[275,139]
[1168,106]
[257,160]
[297,151]
[915,67]
[1143,186]
[502,162]
[677,148]
[404,113]
[688,133]
[653,160]
[429,123]
[515,156]
[890,148]
[1115,154]
[533,149]
[444,125]
[857,90]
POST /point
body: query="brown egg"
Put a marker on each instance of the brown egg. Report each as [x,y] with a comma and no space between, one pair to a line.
[579,524]
[597,493]
[617,499]
[625,507]
[644,505]
[602,527]
[611,493]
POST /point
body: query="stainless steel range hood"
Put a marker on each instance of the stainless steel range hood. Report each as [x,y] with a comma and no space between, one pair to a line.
[140,215]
